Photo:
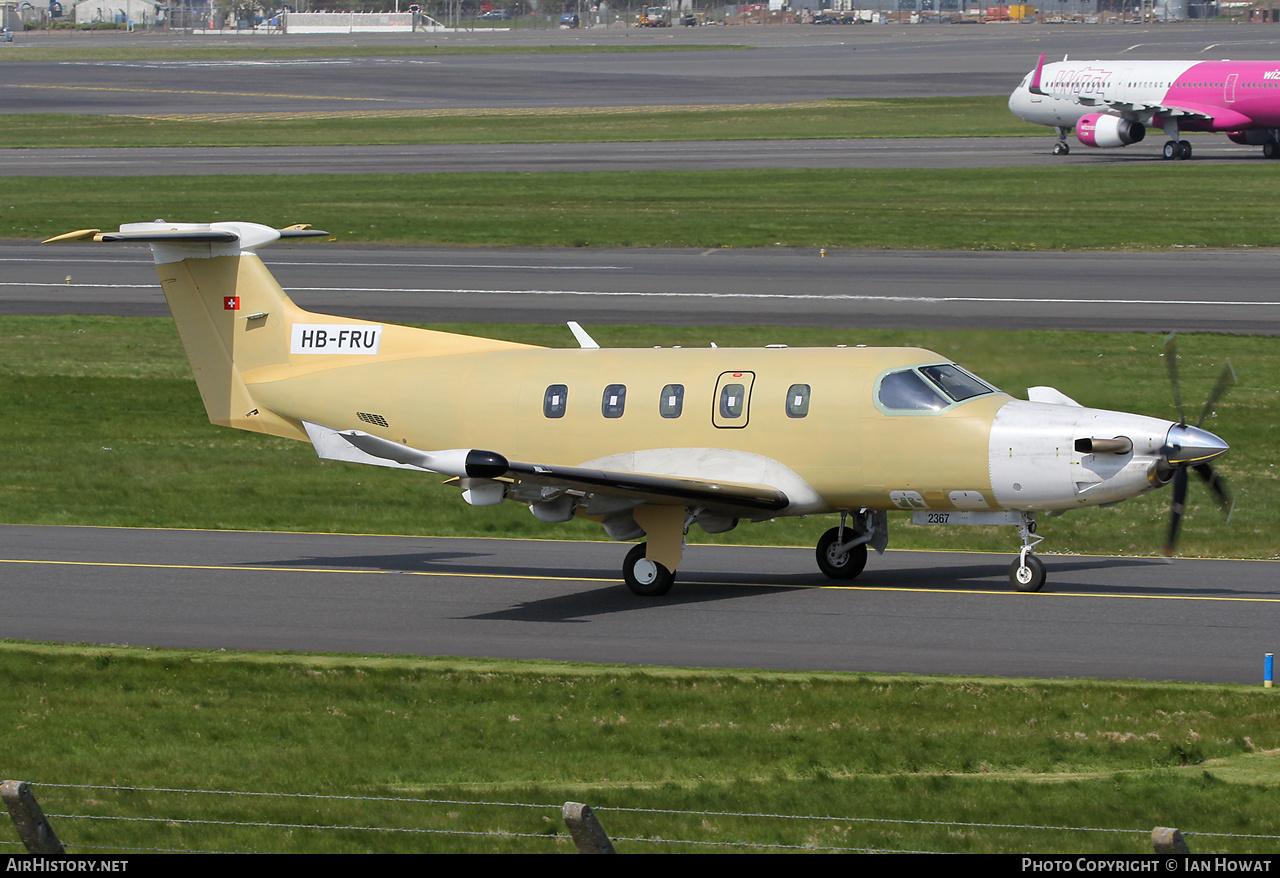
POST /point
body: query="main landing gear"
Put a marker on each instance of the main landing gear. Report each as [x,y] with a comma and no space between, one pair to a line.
[644,577]
[842,553]
[1175,150]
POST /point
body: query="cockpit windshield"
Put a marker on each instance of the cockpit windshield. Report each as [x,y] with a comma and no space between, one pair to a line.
[929,388]
[956,382]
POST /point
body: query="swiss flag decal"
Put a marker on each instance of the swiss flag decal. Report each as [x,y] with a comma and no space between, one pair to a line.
[230,303]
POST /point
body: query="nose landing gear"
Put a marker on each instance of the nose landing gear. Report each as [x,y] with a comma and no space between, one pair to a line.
[1027,572]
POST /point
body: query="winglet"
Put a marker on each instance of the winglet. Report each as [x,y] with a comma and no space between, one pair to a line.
[1034,87]
[82,235]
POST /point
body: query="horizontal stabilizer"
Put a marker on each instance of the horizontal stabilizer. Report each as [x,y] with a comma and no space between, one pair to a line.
[247,235]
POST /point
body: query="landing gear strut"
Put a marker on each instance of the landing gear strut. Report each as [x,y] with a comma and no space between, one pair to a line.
[842,551]
[1061,147]
[1027,572]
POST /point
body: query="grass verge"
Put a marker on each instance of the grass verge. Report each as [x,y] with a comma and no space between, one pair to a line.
[105,427]
[877,762]
[967,209]
[883,117]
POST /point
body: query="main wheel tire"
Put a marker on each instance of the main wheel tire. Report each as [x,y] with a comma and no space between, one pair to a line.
[1270,149]
[1184,149]
[644,577]
[840,565]
[1171,149]
[1028,577]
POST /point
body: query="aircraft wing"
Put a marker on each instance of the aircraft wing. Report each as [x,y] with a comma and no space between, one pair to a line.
[1220,118]
[356,446]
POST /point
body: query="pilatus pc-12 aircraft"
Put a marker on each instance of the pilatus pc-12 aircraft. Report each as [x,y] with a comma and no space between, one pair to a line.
[651,442]
[1113,103]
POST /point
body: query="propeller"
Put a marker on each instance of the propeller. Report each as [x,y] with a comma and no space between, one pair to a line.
[1188,447]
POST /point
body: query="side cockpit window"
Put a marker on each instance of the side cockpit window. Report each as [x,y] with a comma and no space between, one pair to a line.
[928,388]
[906,391]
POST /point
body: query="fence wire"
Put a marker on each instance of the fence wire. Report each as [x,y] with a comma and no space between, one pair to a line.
[556,807]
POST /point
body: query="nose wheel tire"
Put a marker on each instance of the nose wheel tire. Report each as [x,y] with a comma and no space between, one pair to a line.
[644,577]
[840,565]
[1028,575]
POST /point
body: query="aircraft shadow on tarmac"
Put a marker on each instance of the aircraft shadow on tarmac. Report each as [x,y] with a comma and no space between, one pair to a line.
[1130,576]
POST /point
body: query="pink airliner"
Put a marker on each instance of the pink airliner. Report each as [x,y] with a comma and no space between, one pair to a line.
[1113,103]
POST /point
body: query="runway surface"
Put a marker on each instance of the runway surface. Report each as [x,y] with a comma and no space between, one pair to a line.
[1156,292]
[735,607]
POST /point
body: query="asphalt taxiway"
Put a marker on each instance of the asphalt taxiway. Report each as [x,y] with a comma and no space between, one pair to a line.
[734,607]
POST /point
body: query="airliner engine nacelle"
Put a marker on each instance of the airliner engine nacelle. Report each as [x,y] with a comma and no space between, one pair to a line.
[1106,131]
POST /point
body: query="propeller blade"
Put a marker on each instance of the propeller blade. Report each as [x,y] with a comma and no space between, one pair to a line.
[1171,362]
[1176,509]
[1218,486]
[1226,378]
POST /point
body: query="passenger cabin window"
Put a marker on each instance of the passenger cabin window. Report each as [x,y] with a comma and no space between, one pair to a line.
[672,402]
[798,401]
[553,400]
[614,401]
[732,400]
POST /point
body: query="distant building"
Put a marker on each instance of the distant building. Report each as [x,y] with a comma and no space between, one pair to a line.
[140,12]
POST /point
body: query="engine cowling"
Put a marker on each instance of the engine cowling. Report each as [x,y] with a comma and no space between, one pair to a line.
[1105,131]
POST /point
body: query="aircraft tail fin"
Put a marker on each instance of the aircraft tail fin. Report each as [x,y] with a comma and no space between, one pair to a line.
[239,327]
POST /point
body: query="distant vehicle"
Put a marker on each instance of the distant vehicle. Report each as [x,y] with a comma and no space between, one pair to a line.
[825,19]
[6,35]
[689,20]
[494,15]
[569,20]
[655,16]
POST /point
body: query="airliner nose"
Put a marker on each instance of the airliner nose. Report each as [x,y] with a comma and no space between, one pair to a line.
[1186,445]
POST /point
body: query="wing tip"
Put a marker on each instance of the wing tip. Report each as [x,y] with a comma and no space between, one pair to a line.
[79,235]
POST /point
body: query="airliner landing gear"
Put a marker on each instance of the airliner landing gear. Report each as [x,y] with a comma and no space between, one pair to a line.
[842,551]
[1177,149]
[1061,147]
[1027,572]
[1271,149]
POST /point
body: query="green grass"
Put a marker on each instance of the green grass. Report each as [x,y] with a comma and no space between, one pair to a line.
[883,117]
[105,427]
[971,209]
[853,751]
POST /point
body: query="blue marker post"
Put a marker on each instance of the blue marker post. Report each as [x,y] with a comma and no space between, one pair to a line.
[1266,670]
